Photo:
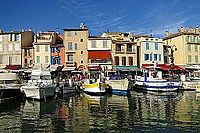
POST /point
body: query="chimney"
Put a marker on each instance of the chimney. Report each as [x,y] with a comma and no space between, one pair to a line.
[181,29]
[167,33]
[197,29]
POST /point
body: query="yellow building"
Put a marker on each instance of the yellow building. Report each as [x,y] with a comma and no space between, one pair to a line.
[75,42]
[99,54]
[42,45]
[124,51]
[13,46]
[186,46]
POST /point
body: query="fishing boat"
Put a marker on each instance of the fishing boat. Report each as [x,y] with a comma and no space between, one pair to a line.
[40,86]
[10,84]
[94,88]
[119,84]
[152,80]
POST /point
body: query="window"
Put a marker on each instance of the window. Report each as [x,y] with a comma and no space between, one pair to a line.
[189,48]
[17,47]
[118,48]
[124,61]
[155,57]
[187,38]
[81,52]
[116,58]
[93,44]
[75,33]
[37,48]
[151,57]
[69,45]
[16,59]
[81,62]
[147,45]
[1,47]
[146,57]
[196,58]
[76,46]
[46,59]
[10,60]
[10,37]
[10,47]
[52,50]
[105,45]
[38,59]
[191,39]
[69,33]
[70,58]
[156,46]
[13,37]
[189,58]
[46,48]
[81,40]
[130,60]
[159,57]
[129,47]
[196,48]
[194,38]
[17,37]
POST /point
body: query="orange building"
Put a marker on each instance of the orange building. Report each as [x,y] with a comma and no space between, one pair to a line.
[58,51]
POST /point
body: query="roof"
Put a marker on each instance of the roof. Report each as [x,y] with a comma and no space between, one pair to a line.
[98,38]
[179,34]
[122,42]
[76,29]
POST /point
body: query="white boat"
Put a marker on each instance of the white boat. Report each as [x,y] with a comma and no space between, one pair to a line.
[40,86]
[152,81]
[119,85]
[10,85]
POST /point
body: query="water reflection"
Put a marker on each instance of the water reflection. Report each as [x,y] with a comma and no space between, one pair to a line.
[139,112]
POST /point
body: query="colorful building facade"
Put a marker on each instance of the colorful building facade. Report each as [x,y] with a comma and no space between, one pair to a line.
[75,43]
[186,46]
[13,48]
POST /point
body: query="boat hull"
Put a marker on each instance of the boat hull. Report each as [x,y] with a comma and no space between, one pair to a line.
[119,87]
[39,93]
[10,94]
[94,89]
[157,85]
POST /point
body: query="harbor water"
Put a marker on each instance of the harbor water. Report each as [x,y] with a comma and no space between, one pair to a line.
[138,112]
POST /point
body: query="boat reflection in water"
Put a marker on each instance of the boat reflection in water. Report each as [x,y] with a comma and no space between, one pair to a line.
[138,112]
[37,116]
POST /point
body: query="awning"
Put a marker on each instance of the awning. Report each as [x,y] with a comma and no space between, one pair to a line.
[13,67]
[164,67]
[99,54]
[125,68]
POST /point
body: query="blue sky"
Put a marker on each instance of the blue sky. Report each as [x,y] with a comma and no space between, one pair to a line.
[136,16]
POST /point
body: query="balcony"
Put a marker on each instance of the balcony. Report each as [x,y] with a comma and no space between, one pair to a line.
[70,63]
[70,51]
[101,61]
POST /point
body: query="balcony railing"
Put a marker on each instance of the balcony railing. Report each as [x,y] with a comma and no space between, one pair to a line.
[100,61]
